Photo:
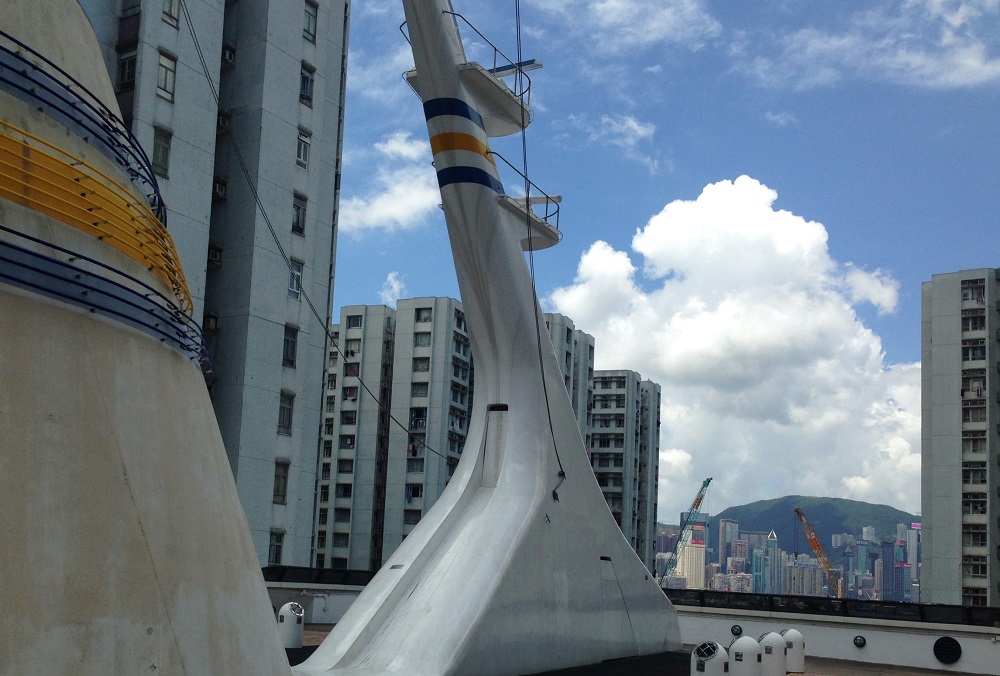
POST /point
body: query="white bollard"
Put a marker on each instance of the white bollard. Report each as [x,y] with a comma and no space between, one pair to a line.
[290,624]
[709,658]
[744,656]
[795,645]
[772,657]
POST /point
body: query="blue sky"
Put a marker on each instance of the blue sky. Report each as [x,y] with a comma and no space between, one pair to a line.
[753,193]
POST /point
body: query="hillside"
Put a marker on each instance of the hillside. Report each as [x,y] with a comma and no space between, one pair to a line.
[827,516]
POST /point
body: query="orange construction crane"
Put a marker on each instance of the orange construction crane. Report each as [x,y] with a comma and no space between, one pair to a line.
[820,552]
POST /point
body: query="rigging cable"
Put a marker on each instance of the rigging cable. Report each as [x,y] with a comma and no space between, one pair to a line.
[267,221]
[519,89]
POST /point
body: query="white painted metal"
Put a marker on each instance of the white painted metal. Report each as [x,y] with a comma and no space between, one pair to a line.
[744,656]
[515,569]
[709,658]
[772,654]
[290,626]
[795,655]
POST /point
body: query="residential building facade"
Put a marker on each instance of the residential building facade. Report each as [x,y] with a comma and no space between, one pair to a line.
[240,107]
[575,354]
[960,433]
[398,397]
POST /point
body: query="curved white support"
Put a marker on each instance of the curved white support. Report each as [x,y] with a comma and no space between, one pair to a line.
[519,567]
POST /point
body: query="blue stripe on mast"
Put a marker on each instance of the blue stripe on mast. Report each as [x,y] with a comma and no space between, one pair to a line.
[451,175]
[457,107]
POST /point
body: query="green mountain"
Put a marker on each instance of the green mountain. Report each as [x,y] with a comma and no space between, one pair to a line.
[826,515]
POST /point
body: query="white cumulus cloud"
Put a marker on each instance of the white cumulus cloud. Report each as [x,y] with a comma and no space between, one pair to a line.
[392,289]
[402,191]
[771,382]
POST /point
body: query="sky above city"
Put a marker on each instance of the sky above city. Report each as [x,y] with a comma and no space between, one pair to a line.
[753,193]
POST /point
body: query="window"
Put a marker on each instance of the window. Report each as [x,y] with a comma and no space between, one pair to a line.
[299,203]
[125,78]
[414,491]
[341,515]
[338,563]
[345,466]
[302,151]
[350,392]
[348,417]
[418,417]
[422,314]
[331,403]
[459,320]
[294,279]
[422,339]
[331,381]
[973,596]
[325,472]
[285,406]
[974,566]
[974,320]
[973,382]
[973,503]
[324,494]
[351,368]
[321,540]
[973,349]
[974,441]
[280,482]
[973,472]
[290,346]
[324,515]
[309,26]
[974,289]
[130,7]
[347,441]
[328,448]
[354,321]
[320,560]
[344,490]
[341,539]
[421,364]
[328,427]
[307,78]
[161,151]
[352,345]
[415,465]
[171,11]
[974,410]
[418,390]
[974,534]
[411,516]
[274,548]
[165,76]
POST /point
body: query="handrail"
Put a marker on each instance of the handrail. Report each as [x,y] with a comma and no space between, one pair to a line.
[551,203]
[522,92]
[115,295]
[65,187]
[78,109]
[819,605]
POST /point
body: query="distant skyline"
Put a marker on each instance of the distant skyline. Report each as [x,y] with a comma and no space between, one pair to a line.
[753,193]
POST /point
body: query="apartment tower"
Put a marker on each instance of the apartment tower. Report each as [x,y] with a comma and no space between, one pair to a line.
[239,105]
[959,438]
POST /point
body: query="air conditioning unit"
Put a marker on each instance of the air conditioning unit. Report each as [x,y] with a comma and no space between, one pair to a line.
[218,189]
[214,256]
[228,55]
[211,323]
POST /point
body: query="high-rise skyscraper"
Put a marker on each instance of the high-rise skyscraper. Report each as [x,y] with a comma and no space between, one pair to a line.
[959,434]
[575,352]
[399,391]
[239,105]
[625,439]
